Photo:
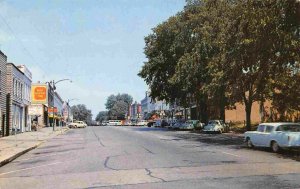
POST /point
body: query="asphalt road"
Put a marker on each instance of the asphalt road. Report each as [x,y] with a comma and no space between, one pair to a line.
[139,157]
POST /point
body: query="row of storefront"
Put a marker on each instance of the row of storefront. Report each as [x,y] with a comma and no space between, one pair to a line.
[25,106]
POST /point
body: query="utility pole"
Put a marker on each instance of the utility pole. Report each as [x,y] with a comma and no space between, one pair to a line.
[53,88]
[53,119]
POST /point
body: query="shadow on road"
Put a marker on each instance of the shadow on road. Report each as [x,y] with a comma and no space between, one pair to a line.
[217,139]
[149,129]
[234,142]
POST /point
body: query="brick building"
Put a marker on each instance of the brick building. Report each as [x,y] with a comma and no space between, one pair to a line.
[135,111]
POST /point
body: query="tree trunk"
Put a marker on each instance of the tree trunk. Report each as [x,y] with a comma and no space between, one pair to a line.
[198,109]
[262,111]
[248,107]
[203,111]
[222,104]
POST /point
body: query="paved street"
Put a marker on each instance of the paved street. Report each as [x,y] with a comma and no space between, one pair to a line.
[139,157]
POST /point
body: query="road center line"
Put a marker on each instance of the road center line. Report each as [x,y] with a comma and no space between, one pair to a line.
[20,170]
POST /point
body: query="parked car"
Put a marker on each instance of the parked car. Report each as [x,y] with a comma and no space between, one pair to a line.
[191,125]
[178,124]
[215,126]
[157,123]
[142,123]
[164,123]
[77,124]
[104,123]
[275,136]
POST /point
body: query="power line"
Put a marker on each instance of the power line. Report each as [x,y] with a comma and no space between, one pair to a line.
[20,41]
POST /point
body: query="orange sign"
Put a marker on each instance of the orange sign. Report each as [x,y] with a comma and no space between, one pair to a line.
[51,110]
[39,94]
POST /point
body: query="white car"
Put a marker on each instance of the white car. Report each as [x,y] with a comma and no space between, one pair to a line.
[274,136]
[78,124]
[142,123]
[215,126]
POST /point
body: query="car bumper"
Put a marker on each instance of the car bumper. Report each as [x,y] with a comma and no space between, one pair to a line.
[186,128]
[211,131]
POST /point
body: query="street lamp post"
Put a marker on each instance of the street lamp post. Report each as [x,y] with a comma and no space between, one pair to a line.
[54,88]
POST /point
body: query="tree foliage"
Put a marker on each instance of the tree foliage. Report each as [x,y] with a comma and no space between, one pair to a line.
[218,53]
[81,113]
[101,116]
[118,105]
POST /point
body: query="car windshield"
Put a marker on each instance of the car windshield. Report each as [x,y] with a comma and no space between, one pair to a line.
[213,122]
[289,128]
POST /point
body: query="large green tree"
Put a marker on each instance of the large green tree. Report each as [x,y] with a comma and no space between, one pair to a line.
[163,51]
[259,45]
[219,52]
[101,116]
[118,105]
[81,113]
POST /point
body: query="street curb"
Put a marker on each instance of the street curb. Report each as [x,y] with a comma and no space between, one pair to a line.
[4,162]
[10,159]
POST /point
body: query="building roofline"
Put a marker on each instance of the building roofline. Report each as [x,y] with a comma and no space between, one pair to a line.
[3,54]
[10,63]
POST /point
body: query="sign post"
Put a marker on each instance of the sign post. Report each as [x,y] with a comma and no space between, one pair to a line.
[53,110]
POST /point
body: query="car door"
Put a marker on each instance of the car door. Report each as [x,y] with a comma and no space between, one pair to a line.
[266,136]
[257,138]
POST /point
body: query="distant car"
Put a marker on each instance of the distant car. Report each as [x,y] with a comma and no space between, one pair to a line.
[275,136]
[157,123]
[77,124]
[104,123]
[142,123]
[164,123]
[191,125]
[177,125]
[216,126]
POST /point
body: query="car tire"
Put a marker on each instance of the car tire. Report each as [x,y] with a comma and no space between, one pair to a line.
[275,147]
[249,143]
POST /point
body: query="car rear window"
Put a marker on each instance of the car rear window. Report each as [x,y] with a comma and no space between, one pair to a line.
[289,128]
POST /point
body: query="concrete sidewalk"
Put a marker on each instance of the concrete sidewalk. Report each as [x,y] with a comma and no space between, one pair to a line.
[14,146]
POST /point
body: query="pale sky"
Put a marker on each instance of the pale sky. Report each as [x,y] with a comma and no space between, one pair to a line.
[96,43]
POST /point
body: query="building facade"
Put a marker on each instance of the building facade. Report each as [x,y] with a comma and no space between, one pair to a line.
[135,111]
[3,126]
[27,79]
[18,89]
[67,113]
[148,106]
[59,104]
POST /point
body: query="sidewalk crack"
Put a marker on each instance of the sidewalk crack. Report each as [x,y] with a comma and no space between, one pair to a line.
[149,173]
